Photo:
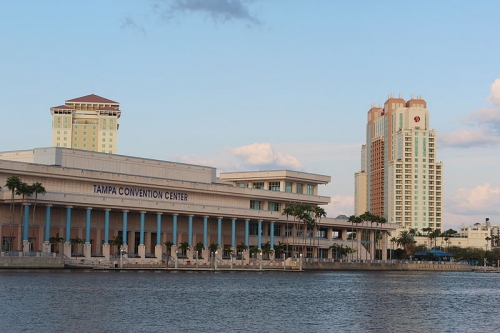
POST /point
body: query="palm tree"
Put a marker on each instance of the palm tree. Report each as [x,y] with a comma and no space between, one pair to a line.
[199,249]
[318,213]
[57,240]
[77,241]
[169,245]
[12,184]
[393,240]
[405,240]
[184,247]
[37,188]
[266,249]
[24,190]
[118,241]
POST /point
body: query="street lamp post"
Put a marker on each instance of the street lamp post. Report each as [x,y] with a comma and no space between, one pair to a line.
[232,256]
[284,260]
[300,261]
[260,260]
[176,256]
[196,259]
[121,258]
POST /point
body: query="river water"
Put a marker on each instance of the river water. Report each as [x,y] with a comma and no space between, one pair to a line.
[149,301]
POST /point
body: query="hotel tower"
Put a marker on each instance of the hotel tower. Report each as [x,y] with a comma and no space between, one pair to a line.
[89,123]
[400,178]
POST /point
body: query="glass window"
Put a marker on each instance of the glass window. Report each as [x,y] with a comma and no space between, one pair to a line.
[255,204]
[300,188]
[310,189]
[274,186]
[273,206]
[288,187]
[259,186]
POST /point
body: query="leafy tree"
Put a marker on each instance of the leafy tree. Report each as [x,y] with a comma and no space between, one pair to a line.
[24,190]
[266,249]
[77,241]
[37,188]
[184,247]
[118,241]
[213,247]
[169,245]
[199,248]
[57,240]
[13,183]
[406,240]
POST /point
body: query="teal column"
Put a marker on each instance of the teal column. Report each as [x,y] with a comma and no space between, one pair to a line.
[219,231]
[247,232]
[47,223]
[271,234]
[190,230]
[158,228]
[87,228]
[141,235]
[68,223]
[26,222]
[205,230]
[124,233]
[106,226]
[259,238]
[233,232]
[174,230]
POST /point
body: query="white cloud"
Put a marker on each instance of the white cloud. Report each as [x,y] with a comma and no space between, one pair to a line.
[481,200]
[263,155]
[340,205]
[484,125]
[494,97]
[481,136]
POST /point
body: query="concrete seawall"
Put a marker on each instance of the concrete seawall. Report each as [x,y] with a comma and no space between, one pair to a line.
[31,262]
[412,266]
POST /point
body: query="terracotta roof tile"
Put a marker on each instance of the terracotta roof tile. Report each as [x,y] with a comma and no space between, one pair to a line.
[62,107]
[92,99]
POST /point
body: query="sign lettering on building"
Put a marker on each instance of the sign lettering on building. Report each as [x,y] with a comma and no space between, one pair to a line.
[140,192]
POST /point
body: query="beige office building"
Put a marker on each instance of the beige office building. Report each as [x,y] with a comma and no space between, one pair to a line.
[89,123]
[400,176]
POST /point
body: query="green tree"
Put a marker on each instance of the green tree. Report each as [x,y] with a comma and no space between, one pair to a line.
[77,241]
[266,250]
[37,188]
[57,240]
[318,213]
[24,190]
[213,247]
[169,245]
[118,242]
[184,247]
[199,249]
[13,183]
[406,240]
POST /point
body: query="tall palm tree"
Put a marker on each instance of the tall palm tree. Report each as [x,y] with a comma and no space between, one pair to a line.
[199,249]
[12,184]
[37,188]
[24,190]
[169,245]
[318,213]
[266,249]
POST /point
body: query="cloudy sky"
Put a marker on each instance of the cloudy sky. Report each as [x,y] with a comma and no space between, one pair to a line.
[253,85]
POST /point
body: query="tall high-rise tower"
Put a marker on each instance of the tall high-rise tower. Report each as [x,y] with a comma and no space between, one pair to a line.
[89,123]
[400,178]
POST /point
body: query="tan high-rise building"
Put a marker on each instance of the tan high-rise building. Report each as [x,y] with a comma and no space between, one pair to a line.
[89,123]
[400,178]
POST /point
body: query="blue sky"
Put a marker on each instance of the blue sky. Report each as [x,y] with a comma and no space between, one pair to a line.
[253,85]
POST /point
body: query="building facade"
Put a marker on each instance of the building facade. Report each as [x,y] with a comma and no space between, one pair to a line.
[99,196]
[89,123]
[400,176]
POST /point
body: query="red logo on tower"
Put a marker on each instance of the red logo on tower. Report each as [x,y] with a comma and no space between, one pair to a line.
[417,119]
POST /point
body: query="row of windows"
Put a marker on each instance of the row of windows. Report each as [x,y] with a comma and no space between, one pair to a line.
[276,186]
[271,206]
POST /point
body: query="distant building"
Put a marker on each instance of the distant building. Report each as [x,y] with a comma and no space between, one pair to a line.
[89,123]
[400,178]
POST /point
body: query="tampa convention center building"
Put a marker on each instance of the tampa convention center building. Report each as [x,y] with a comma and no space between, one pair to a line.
[99,196]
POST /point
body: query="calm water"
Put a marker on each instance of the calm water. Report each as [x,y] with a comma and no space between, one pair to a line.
[99,301]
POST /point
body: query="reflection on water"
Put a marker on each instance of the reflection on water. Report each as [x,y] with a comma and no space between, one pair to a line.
[147,301]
